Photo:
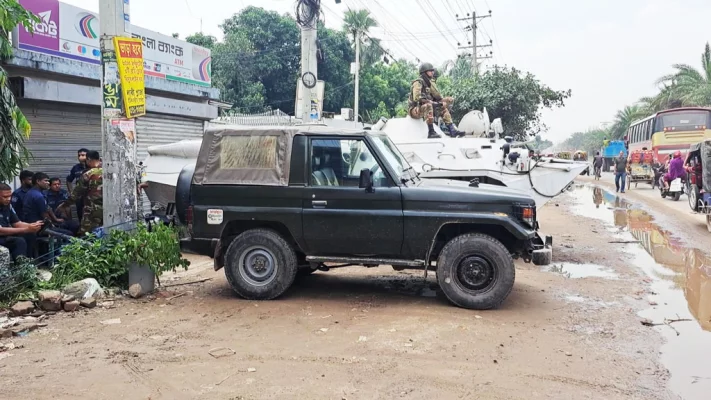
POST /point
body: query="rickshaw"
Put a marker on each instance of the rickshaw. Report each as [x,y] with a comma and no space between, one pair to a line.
[564,155]
[639,167]
[580,156]
[698,168]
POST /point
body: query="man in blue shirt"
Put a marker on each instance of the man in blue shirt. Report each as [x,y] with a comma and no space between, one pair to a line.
[74,176]
[34,207]
[55,196]
[18,196]
[12,230]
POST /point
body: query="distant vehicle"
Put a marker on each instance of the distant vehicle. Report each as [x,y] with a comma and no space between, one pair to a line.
[609,152]
[670,130]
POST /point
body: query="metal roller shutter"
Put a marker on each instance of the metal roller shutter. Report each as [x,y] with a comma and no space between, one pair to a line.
[58,131]
[156,129]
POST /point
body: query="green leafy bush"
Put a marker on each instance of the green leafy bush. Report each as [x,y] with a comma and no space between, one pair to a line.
[106,259]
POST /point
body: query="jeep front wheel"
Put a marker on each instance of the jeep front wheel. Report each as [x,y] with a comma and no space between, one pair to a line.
[475,271]
[260,264]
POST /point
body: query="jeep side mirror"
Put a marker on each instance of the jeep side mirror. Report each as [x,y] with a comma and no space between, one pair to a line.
[366,180]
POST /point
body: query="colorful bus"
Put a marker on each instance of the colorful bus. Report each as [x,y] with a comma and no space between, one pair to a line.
[670,130]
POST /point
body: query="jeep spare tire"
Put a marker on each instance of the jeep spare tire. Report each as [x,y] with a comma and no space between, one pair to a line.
[475,271]
[260,264]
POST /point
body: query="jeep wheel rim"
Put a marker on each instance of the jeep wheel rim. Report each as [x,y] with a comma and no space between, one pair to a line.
[475,273]
[257,266]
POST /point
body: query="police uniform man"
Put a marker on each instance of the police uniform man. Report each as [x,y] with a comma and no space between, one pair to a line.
[88,188]
[18,196]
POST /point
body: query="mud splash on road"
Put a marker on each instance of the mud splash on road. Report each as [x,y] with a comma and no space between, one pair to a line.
[680,285]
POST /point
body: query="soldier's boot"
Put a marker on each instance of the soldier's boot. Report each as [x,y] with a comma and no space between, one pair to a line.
[431,133]
[453,132]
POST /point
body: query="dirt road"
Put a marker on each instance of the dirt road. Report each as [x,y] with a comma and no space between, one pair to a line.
[568,331]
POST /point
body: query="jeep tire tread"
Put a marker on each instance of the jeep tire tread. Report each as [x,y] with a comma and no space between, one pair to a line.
[465,260]
[260,250]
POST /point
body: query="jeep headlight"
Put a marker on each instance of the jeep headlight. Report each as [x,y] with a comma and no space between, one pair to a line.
[526,213]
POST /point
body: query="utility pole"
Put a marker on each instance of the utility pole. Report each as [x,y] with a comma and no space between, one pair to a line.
[357,79]
[308,81]
[118,149]
[473,44]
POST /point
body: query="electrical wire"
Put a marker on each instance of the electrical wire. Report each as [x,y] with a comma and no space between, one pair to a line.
[307,12]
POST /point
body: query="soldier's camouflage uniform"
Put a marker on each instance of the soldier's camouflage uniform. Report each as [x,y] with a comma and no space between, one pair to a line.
[89,188]
[418,109]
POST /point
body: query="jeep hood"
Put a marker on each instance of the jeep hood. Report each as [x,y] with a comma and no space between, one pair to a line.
[454,191]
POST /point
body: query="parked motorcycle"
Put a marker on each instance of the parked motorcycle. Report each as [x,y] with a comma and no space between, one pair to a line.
[676,188]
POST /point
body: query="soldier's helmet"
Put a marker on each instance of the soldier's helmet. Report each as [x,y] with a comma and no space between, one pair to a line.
[426,67]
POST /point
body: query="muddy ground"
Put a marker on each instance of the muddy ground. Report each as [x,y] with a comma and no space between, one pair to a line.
[565,332]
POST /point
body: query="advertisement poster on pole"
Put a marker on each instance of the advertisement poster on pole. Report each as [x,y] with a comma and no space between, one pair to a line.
[129,56]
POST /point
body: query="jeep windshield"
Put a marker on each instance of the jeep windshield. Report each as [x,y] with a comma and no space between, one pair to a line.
[392,155]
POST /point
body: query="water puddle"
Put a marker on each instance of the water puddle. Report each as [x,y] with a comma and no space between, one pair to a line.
[577,271]
[680,279]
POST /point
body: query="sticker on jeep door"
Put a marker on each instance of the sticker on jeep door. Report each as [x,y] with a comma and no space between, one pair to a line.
[215,217]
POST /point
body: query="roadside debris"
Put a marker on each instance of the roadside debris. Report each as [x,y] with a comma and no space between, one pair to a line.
[50,300]
[667,322]
[219,352]
[22,308]
[113,321]
[84,289]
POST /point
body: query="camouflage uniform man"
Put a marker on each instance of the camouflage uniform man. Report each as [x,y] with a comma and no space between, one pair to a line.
[446,103]
[420,101]
[89,188]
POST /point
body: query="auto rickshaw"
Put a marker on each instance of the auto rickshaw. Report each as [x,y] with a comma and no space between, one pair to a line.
[639,167]
[698,168]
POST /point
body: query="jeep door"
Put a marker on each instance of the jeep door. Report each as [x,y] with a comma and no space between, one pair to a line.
[339,218]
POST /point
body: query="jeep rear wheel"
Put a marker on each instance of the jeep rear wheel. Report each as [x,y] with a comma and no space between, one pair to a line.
[260,265]
[475,271]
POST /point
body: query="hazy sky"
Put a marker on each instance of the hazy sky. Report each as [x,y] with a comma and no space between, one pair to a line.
[609,52]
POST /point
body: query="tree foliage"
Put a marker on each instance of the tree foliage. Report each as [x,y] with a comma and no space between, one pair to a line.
[13,125]
[200,39]
[514,96]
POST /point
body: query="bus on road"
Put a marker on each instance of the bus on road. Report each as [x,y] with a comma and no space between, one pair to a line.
[670,130]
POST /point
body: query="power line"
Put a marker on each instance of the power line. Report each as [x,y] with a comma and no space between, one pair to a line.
[435,23]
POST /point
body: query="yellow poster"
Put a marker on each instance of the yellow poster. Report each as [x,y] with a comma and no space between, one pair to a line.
[129,55]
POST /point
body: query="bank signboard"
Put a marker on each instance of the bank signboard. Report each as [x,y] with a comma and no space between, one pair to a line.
[73,33]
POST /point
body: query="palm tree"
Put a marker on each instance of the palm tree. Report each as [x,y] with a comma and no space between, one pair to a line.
[691,86]
[624,118]
[357,23]
[666,98]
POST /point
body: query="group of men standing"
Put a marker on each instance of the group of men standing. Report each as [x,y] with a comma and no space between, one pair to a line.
[41,199]
[425,101]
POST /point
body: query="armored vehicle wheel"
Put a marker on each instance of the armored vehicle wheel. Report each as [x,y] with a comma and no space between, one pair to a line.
[475,271]
[260,264]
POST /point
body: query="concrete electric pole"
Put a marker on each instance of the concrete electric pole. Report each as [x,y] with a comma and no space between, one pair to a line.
[473,45]
[118,147]
[307,14]
[357,79]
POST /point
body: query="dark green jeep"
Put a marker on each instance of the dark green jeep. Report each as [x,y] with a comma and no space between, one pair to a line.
[271,203]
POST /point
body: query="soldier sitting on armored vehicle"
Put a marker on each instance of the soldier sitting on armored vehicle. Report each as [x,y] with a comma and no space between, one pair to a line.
[424,96]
